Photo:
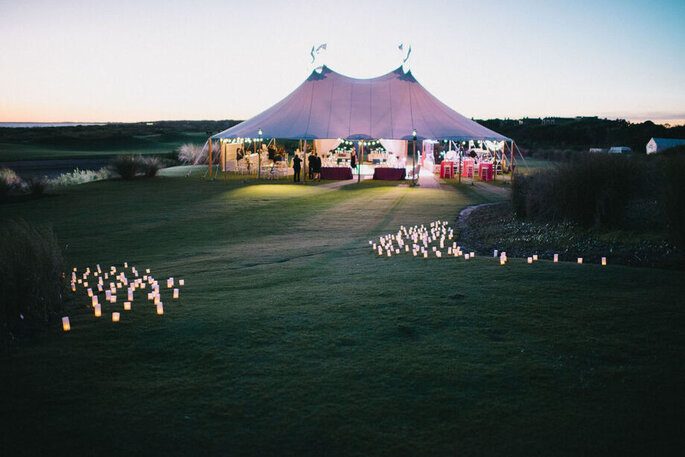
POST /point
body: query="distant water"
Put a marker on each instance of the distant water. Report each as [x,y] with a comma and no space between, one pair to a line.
[45,124]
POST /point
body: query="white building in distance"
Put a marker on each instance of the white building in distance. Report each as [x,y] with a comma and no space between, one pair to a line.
[661,144]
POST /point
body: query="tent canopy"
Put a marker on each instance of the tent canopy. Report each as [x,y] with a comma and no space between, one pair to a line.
[330,105]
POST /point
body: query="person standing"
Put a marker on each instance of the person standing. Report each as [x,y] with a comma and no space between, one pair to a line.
[312,165]
[316,160]
[353,159]
[296,168]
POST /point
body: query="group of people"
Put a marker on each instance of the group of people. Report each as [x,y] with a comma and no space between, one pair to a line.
[314,167]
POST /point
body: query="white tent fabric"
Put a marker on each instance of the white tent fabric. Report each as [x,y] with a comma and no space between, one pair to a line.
[323,146]
[330,105]
[397,147]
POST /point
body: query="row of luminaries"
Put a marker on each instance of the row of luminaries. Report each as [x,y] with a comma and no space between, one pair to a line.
[419,240]
[117,283]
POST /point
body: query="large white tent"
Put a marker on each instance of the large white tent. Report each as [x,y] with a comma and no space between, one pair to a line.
[328,105]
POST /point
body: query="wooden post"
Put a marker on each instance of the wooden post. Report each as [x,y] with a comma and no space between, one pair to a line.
[511,164]
[210,158]
[359,161]
[461,158]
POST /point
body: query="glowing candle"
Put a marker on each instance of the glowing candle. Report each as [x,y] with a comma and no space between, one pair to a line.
[160,308]
[113,299]
[438,254]
[98,310]
[80,281]
[147,270]
[118,285]
[66,326]
[115,317]
[502,261]
[466,257]
[604,260]
[414,253]
[85,284]
[389,254]
[90,292]
[530,260]
[130,295]
[175,293]
[127,305]
[580,260]
[425,255]
[494,253]
[94,300]
[556,258]
[125,264]
[73,287]
[406,248]
[535,257]
[473,254]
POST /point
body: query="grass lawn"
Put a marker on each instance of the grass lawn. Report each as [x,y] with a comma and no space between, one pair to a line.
[292,338]
[82,149]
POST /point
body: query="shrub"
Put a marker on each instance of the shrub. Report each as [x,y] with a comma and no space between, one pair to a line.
[9,181]
[150,165]
[673,198]
[592,190]
[9,176]
[5,189]
[36,186]
[192,153]
[126,166]
[80,177]
[31,270]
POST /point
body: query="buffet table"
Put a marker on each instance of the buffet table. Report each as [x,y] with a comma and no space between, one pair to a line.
[336,173]
[389,174]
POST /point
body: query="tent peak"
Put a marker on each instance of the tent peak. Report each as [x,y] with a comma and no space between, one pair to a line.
[397,73]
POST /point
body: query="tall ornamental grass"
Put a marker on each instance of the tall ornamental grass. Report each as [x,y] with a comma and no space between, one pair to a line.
[31,281]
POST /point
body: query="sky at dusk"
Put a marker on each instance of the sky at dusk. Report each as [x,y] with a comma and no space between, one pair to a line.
[98,61]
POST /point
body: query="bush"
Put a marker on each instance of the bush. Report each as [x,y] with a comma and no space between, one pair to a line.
[673,199]
[150,166]
[80,177]
[36,186]
[592,190]
[32,285]
[192,153]
[126,166]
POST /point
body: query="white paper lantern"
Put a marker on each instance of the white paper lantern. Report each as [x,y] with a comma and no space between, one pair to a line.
[66,326]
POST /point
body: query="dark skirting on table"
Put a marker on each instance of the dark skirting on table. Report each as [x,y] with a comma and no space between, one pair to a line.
[389,174]
[336,173]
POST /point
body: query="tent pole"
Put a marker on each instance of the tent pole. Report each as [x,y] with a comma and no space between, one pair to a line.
[460,159]
[225,161]
[359,162]
[210,157]
[511,163]
[305,170]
